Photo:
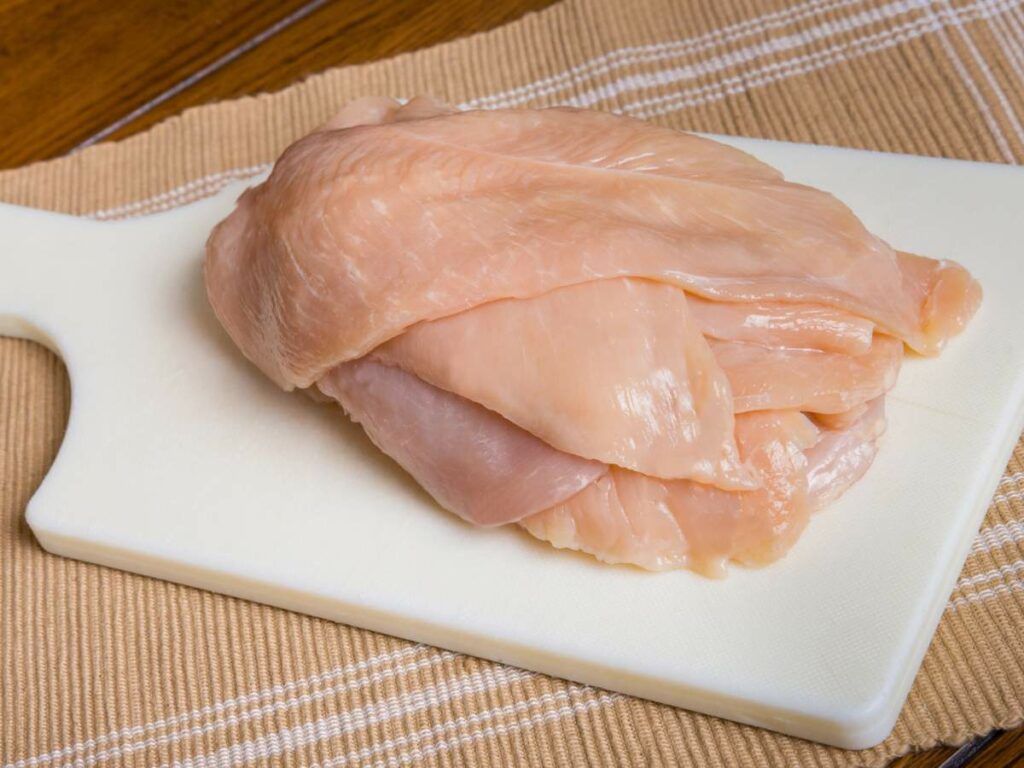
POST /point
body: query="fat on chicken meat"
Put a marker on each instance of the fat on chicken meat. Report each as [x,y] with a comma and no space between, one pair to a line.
[633,342]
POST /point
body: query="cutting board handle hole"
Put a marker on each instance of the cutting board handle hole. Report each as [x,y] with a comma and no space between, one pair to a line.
[17,328]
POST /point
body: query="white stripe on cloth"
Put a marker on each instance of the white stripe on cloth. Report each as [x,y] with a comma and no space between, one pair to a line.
[845,51]
[289,739]
[986,72]
[219,708]
[985,595]
[979,100]
[1003,572]
[758,50]
[482,732]
[643,54]
[172,198]
[1009,496]
[1010,35]
[997,536]
[1017,19]
[229,720]
[353,721]
[1011,479]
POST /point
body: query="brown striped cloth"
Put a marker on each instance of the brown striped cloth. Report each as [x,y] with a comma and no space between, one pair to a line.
[103,668]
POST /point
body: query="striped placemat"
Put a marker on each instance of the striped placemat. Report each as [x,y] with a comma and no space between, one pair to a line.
[99,667]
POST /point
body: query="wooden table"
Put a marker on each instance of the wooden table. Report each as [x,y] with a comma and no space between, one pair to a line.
[72,74]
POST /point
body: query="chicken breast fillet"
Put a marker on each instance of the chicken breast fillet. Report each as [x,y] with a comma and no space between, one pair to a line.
[634,342]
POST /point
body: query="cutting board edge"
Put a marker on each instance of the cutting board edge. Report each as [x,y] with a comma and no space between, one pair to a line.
[865,729]
[1002,453]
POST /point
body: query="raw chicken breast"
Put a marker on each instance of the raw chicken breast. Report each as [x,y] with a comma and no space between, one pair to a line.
[377,109]
[765,378]
[361,232]
[775,324]
[840,420]
[626,517]
[947,296]
[475,463]
[635,343]
[614,370]
[842,456]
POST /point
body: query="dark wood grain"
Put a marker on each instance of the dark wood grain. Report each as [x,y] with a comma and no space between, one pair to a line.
[996,750]
[70,70]
[345,33]
[932,758]
[74,71]
[1006,749]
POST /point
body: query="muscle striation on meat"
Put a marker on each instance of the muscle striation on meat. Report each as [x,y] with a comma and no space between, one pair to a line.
[636,343]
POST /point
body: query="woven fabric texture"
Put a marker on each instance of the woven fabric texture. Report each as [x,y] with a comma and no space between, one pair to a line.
[99,667]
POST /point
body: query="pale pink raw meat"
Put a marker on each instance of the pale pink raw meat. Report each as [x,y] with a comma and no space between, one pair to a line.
[604,330]
[766,378]
[842,456]
[840,420]
[475,463]
[361,232]
[776,324]
[372,110]
[613,370]
[948,297]
[626,517]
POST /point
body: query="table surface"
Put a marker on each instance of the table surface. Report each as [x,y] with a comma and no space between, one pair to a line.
[72,74]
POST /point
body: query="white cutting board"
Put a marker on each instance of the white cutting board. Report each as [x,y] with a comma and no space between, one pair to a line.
[181,461]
